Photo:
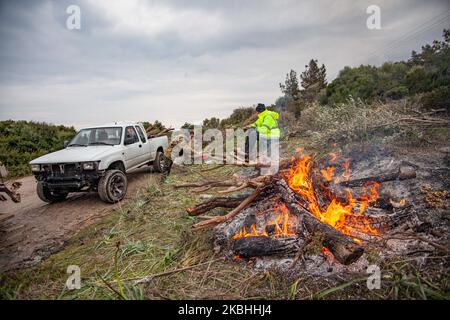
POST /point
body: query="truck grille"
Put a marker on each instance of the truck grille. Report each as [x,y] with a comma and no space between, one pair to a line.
[64,169]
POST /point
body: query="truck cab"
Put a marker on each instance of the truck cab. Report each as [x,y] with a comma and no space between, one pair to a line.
[97,159]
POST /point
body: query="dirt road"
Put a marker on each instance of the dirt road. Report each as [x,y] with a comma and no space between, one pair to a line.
[32,230]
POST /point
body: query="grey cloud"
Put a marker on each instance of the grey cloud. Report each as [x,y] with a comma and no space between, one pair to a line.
[235,53]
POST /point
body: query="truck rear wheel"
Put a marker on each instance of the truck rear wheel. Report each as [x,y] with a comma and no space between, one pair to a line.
[46,195]
[112,187]
[158,163]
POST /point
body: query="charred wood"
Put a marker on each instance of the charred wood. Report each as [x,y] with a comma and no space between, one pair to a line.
[247,247]
[403,173]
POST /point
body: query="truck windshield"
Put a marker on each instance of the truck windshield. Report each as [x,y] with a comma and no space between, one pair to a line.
[97,136]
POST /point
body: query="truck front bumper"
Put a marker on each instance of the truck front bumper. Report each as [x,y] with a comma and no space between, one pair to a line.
[70,180]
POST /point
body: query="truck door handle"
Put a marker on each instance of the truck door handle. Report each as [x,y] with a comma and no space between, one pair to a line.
[140,146]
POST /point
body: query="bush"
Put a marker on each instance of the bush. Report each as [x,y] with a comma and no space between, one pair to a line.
[397,92]
[355,121]
[22,141]
[437,99]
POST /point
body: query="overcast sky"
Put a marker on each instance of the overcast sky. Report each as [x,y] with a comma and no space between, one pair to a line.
[180,61]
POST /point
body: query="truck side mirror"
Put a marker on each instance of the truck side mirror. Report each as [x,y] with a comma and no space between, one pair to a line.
[66,143]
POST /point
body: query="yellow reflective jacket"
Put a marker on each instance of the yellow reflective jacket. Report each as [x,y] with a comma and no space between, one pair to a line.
[267,124]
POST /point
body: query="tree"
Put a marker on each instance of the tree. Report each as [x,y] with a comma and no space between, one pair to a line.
[290,87]
[211,123]
[188,126]
[292,98]
[313,80]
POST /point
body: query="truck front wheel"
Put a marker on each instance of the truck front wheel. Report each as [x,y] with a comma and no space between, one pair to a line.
[46,195]
[112,187]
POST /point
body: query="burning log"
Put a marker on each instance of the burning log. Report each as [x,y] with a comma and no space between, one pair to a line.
[403,173]
[345,250]
[302,196]
[247,247]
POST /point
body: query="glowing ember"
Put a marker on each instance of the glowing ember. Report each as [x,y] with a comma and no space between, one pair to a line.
[327,173]
[344,216]
[328,255]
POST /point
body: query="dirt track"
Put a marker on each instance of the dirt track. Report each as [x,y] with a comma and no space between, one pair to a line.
[32,230]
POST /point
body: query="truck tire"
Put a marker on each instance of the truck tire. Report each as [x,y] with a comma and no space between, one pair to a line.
[112,187]
[158,165]
[46,195]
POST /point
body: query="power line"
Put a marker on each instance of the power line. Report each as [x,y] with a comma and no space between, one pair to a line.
[442,17]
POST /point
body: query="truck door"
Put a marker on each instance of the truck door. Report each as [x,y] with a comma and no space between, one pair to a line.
[146,152]
[133,147]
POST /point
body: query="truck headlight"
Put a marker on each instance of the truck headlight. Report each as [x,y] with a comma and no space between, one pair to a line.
[36,168]
[88,165]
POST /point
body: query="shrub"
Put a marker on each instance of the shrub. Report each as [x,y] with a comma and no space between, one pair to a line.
[438,98]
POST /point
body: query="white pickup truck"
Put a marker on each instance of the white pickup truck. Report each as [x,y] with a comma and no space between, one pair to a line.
[97,159]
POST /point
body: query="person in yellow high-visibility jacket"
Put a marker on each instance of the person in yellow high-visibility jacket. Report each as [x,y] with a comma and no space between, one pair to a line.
[266,127]
[267,124]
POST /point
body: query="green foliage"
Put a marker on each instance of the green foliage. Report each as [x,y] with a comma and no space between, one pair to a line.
[397,92]
[187,125]
[291,100]
[22,141]
[438,98]
[211,123]
[238,117]
[156,125]
[290,88]
[425,72]
[313,80]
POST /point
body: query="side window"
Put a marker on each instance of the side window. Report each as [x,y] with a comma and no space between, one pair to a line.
[131,134]
[141,134]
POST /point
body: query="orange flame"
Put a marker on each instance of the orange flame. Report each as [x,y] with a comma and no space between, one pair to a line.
[345,217]
[281,223]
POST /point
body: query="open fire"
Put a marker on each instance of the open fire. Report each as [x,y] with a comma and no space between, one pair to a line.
[281,226]
[305,200]
[345,216]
